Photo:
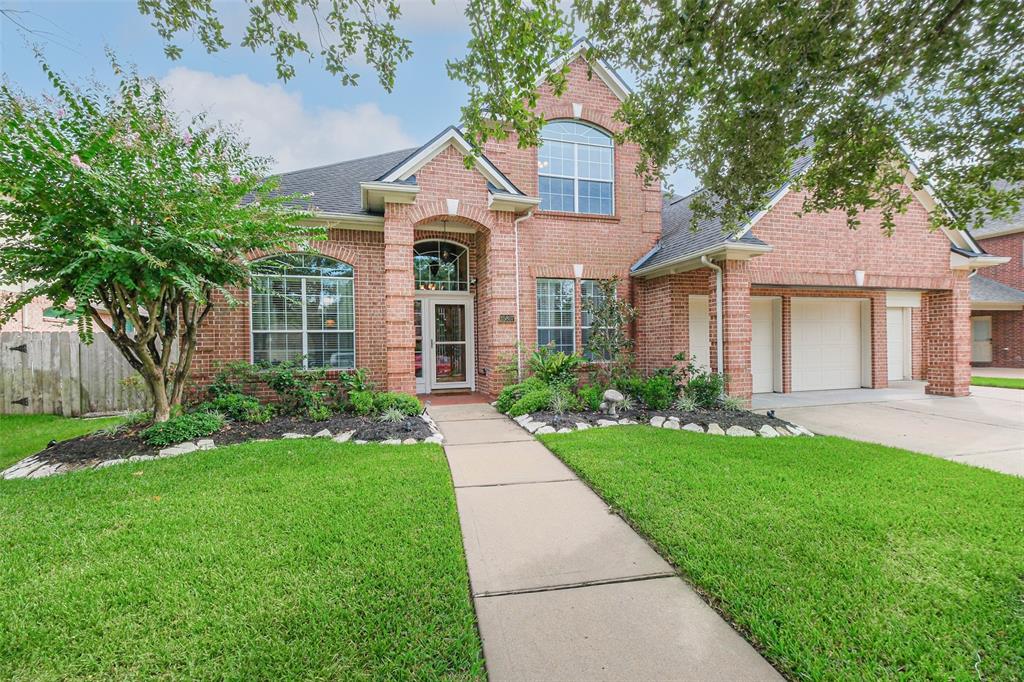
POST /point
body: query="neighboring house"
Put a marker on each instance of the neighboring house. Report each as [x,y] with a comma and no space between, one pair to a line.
[997,298]
[433,271]
[39,315]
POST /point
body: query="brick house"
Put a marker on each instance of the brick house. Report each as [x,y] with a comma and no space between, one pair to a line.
[997,299]
[433,271]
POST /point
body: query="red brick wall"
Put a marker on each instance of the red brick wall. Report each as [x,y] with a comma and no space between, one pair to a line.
[1012,246]
[663,327]
[948,341]
[819,250]
[1007,337]
[225,334]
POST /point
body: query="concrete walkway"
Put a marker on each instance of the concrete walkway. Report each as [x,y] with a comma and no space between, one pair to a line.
[563,588]
[985,429]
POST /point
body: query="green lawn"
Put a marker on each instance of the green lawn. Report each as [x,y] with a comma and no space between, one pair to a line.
[998,382]
[284,560]
[839,560]
[22,435]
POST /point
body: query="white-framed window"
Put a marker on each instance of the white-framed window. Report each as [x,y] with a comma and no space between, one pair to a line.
[303,306]
[440,266]
[590,295]
[556,314]
[576,169]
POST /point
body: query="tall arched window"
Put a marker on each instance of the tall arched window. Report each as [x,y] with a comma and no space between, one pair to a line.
[576,169]
[441,266]
[303,306]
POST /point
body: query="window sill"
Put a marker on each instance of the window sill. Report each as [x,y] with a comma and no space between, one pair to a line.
[588,217]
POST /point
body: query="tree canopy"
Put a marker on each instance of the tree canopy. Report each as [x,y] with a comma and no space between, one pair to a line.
[726,88]
[131,220]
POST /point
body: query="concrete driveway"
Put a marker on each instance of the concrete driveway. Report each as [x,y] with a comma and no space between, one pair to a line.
[985,429]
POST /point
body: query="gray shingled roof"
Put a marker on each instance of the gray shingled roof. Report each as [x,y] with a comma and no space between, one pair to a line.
[1001,224]
[988,290]
[335,187]
[679,238]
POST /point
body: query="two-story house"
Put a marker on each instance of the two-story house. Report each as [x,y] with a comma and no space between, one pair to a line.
[436,274]
[997,297]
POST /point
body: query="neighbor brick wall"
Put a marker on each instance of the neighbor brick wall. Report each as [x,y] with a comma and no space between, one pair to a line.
[1011,246]
[1007,337]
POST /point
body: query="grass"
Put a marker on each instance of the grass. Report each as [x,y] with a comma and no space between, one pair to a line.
[24,434]
[838,559]
[282,560]
[998,382]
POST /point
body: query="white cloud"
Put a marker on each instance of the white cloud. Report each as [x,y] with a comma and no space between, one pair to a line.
[279,124]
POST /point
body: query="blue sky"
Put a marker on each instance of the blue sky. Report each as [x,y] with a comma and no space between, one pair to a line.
[310,120]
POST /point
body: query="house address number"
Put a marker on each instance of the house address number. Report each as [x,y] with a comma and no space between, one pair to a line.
[506,319]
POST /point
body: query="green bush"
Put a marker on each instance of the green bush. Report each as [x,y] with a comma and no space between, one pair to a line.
[631,385]
[591,396]
[705,389]
[184,427]
[534,401]
[658,392]
[554,368]
[300,390]
[407,404]
[348,383]
[361,402]
[563,401]
[231,378]
[510,394]
[240,408]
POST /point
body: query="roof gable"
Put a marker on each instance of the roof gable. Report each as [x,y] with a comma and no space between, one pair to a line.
[600,68]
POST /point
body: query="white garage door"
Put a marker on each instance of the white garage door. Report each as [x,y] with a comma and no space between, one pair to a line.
[826,343]
[700,332]
[762,344]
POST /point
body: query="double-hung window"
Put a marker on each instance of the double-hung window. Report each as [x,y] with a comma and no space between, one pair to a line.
[556,314]
[576,169]
[303,306]
[591,295]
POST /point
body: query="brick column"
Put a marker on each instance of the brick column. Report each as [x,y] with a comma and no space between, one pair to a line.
[398,300]
[879,342]
[948,339]
[496,294]
[787,344]
[736,328]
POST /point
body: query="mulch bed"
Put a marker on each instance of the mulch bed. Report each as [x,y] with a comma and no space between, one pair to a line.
[724,418]
[125,442]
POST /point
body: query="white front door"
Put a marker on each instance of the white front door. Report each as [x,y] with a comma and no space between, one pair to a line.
[981,339]
[700,334]
[826,346]
[898,343]
[762,344]
[444,342]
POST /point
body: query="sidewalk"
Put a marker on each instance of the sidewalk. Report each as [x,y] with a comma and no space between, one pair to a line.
[563,588]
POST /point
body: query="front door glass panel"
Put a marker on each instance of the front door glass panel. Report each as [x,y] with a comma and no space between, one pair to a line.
[450,342]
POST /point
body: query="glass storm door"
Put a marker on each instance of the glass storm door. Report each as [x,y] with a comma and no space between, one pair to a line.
[450,344]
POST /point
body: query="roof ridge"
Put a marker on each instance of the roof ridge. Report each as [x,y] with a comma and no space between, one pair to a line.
[338,163]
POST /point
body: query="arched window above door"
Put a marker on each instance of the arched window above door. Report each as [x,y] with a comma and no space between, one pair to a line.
[441,266]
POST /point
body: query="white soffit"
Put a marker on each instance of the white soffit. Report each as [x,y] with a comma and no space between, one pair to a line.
[903,299]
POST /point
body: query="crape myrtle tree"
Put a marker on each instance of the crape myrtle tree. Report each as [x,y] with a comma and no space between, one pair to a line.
[728,88]
[131,220]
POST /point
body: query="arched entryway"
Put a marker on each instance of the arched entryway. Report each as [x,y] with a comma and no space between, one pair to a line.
[443,314]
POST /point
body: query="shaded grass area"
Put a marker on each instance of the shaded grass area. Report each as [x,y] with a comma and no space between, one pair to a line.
[998,382]
[283,560]
[24,434]
[838,559]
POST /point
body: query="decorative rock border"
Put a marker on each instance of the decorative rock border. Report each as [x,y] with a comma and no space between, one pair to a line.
[540,428]
[33,467]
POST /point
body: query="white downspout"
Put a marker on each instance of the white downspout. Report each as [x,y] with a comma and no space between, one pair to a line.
[519,322]
[718,311]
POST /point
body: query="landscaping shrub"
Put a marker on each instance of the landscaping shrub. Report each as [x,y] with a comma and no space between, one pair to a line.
[408,404]
[705,389]
[184,427]
[298,389]
[350,382]
[629,384]
[232,378]
[658,391]
[731,402]
[361,402]
[685,404]
[563,401]
[510,394]
[392,415]
[240,408]
[591,396]
[554,368]
[534,401]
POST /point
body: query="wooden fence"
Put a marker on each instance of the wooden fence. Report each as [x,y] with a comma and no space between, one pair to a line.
[55,373]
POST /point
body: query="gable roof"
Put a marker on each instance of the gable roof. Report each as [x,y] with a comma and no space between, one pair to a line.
[985,290]
[600,68]
[335,186]
[997,227]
